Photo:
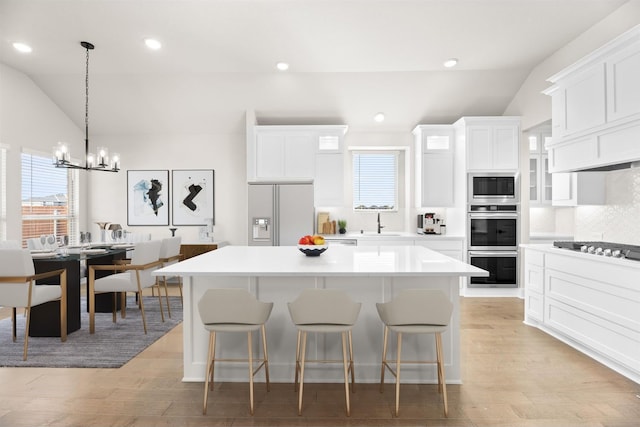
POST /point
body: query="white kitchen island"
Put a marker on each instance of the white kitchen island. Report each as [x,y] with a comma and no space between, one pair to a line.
[277,274]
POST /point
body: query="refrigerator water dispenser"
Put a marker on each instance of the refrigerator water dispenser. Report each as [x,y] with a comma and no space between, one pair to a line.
[261,229]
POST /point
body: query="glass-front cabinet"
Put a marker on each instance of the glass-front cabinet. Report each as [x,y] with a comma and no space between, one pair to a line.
[540,189]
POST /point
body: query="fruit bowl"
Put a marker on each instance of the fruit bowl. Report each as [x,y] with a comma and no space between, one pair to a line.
[312,250]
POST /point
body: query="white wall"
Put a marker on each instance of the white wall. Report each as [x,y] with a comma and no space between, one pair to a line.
[29,119]
[224,153]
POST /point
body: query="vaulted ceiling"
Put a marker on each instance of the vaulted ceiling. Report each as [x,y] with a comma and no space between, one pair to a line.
[348,59]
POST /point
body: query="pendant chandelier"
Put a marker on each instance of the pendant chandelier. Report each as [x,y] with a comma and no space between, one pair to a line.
[101,161]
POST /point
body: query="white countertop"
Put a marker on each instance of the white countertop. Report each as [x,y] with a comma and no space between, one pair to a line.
[392,235]
[336,261]
[549,248]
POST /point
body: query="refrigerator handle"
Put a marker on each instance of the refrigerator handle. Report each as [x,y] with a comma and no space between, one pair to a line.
[275,226]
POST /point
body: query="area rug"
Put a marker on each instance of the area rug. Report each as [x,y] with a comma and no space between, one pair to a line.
[112,345]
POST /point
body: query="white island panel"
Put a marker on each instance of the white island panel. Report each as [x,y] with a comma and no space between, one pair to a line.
[278,274]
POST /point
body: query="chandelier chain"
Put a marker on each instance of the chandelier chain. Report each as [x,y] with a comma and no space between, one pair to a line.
[86,94]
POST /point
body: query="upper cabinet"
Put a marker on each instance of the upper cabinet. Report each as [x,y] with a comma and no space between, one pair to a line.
[492,143]
[595,108]
[301,152]
[434,165]
[540,183]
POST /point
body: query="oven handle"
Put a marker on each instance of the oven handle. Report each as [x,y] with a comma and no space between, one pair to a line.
[497,215]
[493,254]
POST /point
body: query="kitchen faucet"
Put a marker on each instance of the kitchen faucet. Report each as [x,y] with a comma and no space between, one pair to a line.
[379,226]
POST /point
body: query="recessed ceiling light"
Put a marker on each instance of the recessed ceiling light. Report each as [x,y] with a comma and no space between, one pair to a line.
[22,47]
[451,62]
[153,44]
[379,117]
[282,66]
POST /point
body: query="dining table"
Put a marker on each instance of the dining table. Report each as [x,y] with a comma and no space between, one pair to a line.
[45,317]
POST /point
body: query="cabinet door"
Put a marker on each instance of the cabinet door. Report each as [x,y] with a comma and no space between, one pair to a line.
[479,148]
[283,155]
[562,189]
[623,83]
[299,152]
[534,181]
[546,183]
[270,155]
[505,148]
[437,180]
[329,180]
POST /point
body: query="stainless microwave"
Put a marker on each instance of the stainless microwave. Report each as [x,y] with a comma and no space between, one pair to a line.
[493,188]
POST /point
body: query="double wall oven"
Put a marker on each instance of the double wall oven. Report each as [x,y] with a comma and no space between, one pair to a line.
[493,223]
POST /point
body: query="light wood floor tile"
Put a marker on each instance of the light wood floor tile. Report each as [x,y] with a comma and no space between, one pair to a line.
[514,375]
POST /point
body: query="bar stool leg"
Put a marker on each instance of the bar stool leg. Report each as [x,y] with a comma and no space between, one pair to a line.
[384,358]
[302,358]
[346,373]
[441,367]
[295,384]
[398,374]
[209,372]
[250,372]
[265,356]
[351,367]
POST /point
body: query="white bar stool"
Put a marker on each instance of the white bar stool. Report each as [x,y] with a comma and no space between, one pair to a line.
[324,311]
[234,310]
[415,311]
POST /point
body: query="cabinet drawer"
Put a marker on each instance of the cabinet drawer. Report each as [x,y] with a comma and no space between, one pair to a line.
[534,257]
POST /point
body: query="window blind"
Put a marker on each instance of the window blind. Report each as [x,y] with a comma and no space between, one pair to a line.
[375,181]
[49,198]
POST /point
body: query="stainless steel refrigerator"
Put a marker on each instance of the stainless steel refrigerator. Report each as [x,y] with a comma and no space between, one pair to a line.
[279,213]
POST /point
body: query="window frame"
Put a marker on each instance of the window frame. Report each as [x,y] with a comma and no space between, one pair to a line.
[72,215]
[393,151]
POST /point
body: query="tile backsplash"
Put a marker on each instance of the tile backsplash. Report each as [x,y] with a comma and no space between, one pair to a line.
[618,220]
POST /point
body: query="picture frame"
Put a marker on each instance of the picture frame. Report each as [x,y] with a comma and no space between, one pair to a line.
[193,200]
[148,197]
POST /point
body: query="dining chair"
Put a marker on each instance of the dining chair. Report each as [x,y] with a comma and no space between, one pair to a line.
[324,311]
[18,288]
[129,276]
[234,310]
[170,254]
[415,311]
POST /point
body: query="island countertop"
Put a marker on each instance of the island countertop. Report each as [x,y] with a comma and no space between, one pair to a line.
[335,261]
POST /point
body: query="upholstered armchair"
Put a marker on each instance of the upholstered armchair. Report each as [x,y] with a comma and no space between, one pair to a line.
[18,288]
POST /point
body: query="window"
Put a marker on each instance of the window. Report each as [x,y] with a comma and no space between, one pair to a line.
[49,198]
[375,184]
[3,192]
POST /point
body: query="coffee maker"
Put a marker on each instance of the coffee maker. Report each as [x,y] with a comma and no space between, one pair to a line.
[429,223]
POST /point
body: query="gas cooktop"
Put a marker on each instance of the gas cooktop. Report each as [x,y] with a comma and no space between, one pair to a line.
[617,250]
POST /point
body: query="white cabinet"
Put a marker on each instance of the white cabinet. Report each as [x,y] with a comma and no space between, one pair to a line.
[492,143]
[329,179]
[281,155]
[540,183]
[595,108]
[589,302]
[293,153]
[434,165]
[579,188]
[533,286]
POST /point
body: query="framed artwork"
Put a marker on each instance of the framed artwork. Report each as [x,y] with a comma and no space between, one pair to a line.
[148,197]
[193,197]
